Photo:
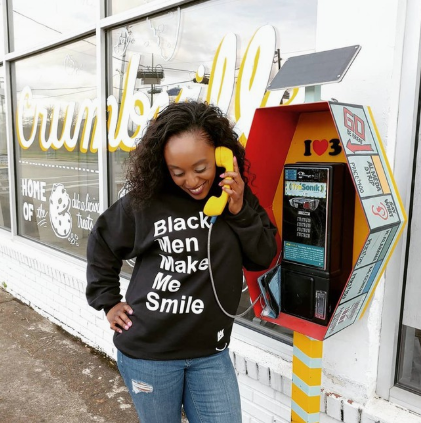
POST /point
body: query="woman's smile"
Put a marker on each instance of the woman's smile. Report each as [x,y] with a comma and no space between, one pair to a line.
[198,190]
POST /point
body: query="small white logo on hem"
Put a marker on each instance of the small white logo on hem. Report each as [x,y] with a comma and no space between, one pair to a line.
[222,349]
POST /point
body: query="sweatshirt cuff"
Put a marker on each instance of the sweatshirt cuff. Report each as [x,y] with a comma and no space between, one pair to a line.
[108,308]
[243,218]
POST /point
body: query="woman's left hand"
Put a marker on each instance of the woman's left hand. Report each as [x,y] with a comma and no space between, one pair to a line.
[235,188]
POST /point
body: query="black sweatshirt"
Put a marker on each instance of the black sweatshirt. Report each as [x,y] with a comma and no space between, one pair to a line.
[175,314]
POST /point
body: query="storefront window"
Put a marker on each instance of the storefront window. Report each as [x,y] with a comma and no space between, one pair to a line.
[1,32]
[200,53]
[54,101]
[409,376]
[409,356]
[4,168]
[117,6]
[34,22]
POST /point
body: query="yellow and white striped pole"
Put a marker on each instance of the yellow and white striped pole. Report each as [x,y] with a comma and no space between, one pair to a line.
[306,379]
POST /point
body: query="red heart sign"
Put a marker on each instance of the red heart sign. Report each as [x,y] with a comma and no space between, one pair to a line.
[320,146]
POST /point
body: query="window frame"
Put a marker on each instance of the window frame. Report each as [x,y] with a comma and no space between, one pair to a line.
[9,152]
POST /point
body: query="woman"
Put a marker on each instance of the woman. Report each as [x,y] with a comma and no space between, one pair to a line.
[171,334]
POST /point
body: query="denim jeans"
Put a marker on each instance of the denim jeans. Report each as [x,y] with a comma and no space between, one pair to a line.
[206,387]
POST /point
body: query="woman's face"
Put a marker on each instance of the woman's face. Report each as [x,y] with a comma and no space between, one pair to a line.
[191,163]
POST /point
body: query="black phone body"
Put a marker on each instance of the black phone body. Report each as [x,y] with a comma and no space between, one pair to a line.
[317,237]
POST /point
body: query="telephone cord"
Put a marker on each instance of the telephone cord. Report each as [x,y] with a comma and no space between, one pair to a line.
[233,316]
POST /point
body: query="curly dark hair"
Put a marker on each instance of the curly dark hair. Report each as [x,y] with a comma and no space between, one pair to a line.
[147,172]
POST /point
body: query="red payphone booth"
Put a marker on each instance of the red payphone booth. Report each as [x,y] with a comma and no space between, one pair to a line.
[313,139]
[323,177]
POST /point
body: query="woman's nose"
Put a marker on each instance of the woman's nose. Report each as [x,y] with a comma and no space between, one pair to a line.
[191,180]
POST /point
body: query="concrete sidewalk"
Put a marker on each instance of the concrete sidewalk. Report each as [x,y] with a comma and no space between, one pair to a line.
[46,375]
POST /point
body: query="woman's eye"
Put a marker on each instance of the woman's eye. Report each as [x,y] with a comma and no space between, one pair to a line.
[178,175]
[200,170]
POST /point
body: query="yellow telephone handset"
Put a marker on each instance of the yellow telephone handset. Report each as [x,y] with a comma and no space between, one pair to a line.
[215,205]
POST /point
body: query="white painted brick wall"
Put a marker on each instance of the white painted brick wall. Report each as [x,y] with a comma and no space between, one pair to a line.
[352,412]
[261,392]
[54,285]
[276,381]
[334,406]
[324,418]
[263,402]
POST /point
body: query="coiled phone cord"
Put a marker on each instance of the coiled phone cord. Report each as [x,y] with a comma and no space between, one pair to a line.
[233,316]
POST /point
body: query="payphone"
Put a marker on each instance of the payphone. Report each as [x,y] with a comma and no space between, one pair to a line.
[317,238]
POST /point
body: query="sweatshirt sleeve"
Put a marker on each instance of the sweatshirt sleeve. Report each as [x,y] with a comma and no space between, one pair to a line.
[255,231]
[110,242]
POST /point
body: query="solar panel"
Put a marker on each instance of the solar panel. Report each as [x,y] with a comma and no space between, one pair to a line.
[315,68]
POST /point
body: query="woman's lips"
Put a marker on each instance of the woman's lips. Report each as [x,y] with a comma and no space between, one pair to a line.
[198,190]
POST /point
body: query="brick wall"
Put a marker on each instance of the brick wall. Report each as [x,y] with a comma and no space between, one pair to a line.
[53,285]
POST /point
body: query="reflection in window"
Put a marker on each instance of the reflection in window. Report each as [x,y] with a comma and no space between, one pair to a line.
[169,57]
[35,22]
[4,168]
[1,32]
[117,6]
[409,371]
[56,160]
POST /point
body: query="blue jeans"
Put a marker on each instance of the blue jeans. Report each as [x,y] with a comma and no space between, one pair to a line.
[206,387]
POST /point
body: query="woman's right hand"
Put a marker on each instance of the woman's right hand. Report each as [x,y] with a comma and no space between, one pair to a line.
[118,318]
